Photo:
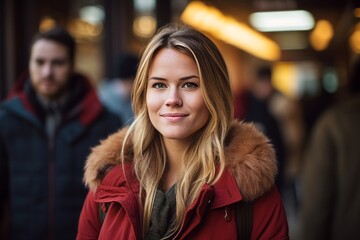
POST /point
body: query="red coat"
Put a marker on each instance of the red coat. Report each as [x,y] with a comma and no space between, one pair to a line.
[249,175]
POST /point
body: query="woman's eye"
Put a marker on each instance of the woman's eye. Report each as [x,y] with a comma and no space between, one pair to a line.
[158,85]
[190,85]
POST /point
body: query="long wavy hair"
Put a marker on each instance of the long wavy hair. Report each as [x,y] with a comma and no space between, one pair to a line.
[205,152]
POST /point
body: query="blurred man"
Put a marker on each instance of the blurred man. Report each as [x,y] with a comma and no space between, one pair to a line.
[47,127]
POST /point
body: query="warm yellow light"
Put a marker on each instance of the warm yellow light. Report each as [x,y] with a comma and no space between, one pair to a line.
[354,39]
[144,26]
[46,24]
[82,30]
[243,37]
[357,12]
[284,78]
[229,30]
[322,34]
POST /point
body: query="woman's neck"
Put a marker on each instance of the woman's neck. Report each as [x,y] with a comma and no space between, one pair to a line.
[174,150]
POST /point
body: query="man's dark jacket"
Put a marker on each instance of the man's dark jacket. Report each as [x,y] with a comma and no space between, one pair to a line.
[41,188]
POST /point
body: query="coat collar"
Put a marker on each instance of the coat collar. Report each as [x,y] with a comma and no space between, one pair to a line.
[250,159]
[85,108]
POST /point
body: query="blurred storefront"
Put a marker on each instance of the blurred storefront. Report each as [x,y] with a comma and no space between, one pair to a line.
[308,44]
[102,29]
[318,54]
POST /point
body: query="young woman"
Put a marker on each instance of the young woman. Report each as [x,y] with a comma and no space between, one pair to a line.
[184,165]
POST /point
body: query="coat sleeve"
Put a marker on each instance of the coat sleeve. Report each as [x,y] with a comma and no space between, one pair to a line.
[319,181]
[269,217]
[89,223]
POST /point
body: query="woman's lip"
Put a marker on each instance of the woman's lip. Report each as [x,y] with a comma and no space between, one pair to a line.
[174,115]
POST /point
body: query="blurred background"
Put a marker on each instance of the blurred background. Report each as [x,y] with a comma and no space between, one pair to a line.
[308,45]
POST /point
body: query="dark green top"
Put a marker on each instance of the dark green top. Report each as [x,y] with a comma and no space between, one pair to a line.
[163,214]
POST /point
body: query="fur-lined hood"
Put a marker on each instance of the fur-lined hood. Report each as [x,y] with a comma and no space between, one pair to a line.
[250,158]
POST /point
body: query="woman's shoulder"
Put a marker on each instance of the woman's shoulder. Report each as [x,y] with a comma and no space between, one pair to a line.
[105,157]
[251,159]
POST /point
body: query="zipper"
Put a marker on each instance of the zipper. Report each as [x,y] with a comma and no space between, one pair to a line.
[208,203]
[51,182]
[51,187]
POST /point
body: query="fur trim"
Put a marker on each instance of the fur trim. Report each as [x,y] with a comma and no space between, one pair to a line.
[250,158]
[103,157]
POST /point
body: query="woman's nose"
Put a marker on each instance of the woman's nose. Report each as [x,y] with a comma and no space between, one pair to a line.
[173,98]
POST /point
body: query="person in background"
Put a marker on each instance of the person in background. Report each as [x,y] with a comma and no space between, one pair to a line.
[115,93]
[184,166]
[47,126]
[254,105]
[330,206]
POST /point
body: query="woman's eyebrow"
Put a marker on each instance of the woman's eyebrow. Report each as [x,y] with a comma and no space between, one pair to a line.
[157,78]
[181,79]
[189,77]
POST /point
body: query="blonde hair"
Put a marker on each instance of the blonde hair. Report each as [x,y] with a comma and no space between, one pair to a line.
[198,165]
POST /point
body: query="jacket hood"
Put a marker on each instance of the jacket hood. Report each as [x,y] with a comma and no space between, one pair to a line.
[249,157]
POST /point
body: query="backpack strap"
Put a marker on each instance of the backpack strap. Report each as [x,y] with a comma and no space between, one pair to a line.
[244,219]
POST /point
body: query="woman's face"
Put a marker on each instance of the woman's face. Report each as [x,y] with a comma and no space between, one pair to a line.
[174,98]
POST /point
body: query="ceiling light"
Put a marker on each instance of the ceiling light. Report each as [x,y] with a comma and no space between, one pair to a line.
[322,34]
[355,39]
[92,14]
[357,12]
[144,26]
[229,30]
[278,21]
[47,23]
